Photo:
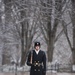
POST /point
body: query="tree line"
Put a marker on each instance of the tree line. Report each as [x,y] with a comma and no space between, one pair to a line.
[21,20]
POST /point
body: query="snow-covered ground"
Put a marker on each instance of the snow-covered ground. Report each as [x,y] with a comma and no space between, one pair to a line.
[13,68]
[51,67]
[27,73]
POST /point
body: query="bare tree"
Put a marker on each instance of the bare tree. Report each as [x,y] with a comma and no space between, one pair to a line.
[72,16]
[65,29]
[5,54]
[25,25]
[49,29]
[28,32]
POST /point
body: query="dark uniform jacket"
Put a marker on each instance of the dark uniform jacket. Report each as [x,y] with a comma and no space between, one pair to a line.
[38,66]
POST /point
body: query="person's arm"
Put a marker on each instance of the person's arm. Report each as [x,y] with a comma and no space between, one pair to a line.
[44,63]
[28,59]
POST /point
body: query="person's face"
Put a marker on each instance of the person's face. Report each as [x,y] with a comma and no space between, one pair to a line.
[37,47]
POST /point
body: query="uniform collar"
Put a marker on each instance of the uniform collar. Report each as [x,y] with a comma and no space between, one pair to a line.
[37,51]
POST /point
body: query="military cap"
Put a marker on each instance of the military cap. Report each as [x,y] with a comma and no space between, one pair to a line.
[37,44]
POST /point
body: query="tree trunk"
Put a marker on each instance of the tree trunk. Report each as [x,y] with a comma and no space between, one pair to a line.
[49,42]
[5,54]
[73,51]
[73,22]
[50,49]
[24,38]
[51,35]
[73,55]
[22,46]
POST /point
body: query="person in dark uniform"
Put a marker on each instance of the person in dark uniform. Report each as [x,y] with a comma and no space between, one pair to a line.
[37,60]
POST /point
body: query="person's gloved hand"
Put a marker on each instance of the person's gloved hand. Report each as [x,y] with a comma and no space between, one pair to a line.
[30,64]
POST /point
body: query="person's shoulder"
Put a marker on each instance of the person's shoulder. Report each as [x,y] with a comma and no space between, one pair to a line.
[42,51]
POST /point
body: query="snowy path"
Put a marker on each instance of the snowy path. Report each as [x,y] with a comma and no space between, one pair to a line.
[27,73]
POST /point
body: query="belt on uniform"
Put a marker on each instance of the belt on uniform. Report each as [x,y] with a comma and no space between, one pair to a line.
[37,64]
